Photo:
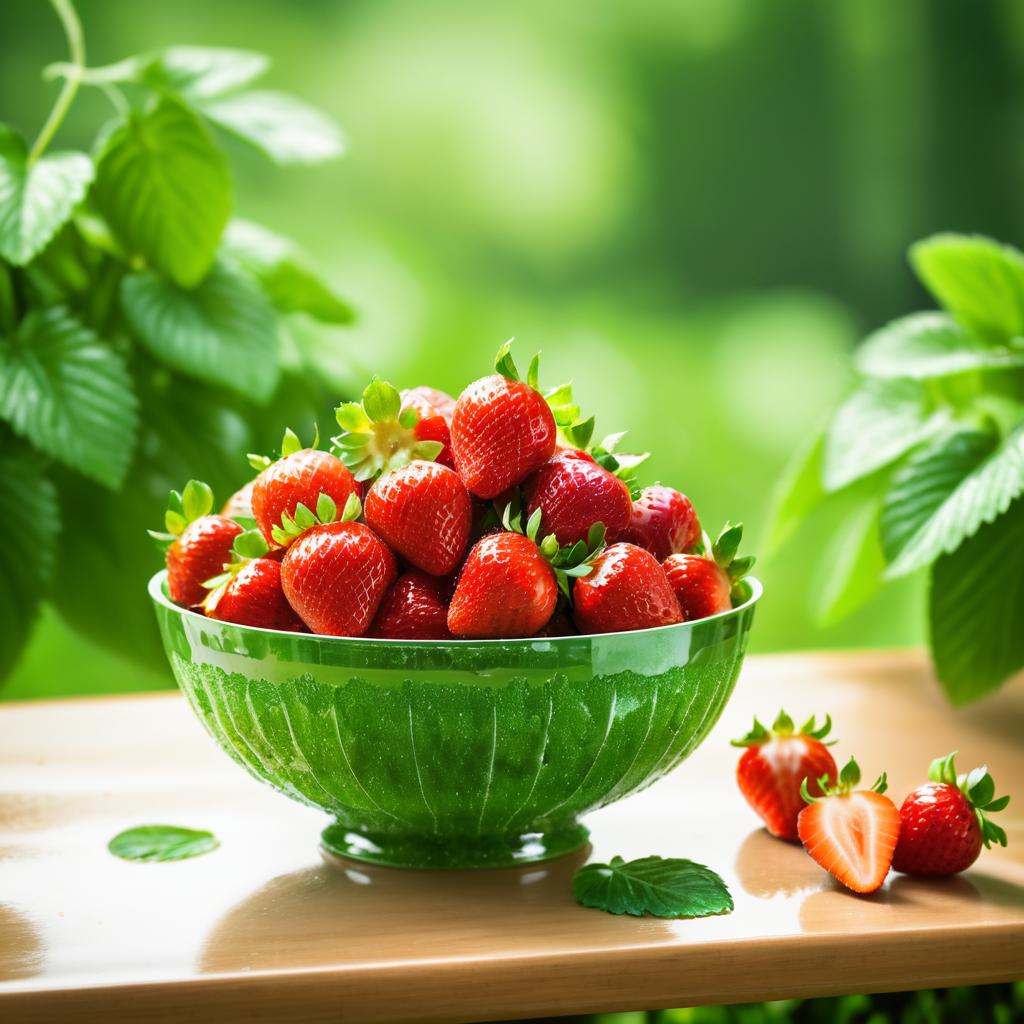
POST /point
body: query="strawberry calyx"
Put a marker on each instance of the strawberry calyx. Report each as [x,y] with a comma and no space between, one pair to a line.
[377,434]
[568,562]
[723,552]
[783,728]
[247,546]
[293,526]
[978,789]
[848,781]
[194,501]
[620,464]
[290,444]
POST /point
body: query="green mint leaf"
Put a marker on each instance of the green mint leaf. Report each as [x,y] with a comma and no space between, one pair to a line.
[976,279]
[927,345]
[197,72]
[285,273]
[976,607]
[945,492]
[655,886]
[381,401]
[284,128]
[161,842]
[798,493]
[36,200]
[221,331]
[29,511]
[196,500]
[69,394]
[879,422]
[164,187]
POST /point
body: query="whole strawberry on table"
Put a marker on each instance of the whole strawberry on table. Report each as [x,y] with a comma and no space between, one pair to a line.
[434,518]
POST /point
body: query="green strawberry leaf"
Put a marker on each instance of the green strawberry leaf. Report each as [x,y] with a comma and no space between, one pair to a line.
[197,72]
[284,272]
[925,345]
[164,187]
[655,886]
[221,331]
[976,607]
[29,512]
[798,493]
[36,199]
[284,128]
[69,394]
[976,279]
[945,492]
[161,843]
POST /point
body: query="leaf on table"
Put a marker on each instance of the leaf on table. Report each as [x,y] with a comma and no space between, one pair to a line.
[36,199]
[945,492]
[164,188]
[221,331]
[286,129]
[161,843]
[69,394]
[976,608]
[285,273]
[798,493]
[927,345]
[28,510]
[976,279]
[655,886]
[879,422]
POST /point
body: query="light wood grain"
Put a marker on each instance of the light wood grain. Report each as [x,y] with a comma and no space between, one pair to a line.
[266,929]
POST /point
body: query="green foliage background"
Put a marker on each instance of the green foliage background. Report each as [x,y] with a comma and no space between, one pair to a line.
[694,209]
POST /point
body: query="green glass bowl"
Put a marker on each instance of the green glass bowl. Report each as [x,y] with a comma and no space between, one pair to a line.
[464,753]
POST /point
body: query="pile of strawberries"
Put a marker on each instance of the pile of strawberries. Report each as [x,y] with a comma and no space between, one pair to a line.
[433,518]
[789,777]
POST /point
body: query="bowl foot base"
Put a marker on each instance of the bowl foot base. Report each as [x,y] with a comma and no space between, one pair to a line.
[431,851]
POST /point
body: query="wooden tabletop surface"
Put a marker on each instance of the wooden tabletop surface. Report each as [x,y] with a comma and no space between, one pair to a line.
[265,929]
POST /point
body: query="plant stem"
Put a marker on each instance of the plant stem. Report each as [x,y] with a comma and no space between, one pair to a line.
[76,48]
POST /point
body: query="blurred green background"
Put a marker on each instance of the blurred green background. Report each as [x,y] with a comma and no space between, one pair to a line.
[694,209]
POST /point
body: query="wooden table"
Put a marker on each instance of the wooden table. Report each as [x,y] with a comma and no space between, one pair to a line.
[265,929]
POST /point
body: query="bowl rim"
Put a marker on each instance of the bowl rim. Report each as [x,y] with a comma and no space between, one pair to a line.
[156,592]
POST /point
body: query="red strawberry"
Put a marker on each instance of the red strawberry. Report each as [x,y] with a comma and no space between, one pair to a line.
[573,492]
[945,823]
[413,609]
[239,505]
[424,512]
[502,430]
[774,765]
[662,521]
[335,575]
[425,399]
[506,589]
[198,544]
[253,597]
[851,832]
[707,586]
[560,624]
[626,590]
[299,477]
[433,425]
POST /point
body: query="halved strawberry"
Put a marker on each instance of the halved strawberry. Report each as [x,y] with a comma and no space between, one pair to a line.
[299,477]
[414,608]
[433,424]
[626,590]
[775,763]
[424,512]
[197,543]
[707,586]
[502,429]
[945,822]
[662,521]
[335,574]
[852,833]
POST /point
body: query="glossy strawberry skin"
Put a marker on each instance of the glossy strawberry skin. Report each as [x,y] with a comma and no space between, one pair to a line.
[433,425]
[424,512]
[426,399]
[335,577]
[940,834]
[852,837]
[573,492]
[413,609]
[770,774]
[626,590]
[506,589]
[502,430]
[299,478]
[254,597]
[560,624]
[198,555]
[702,587]
[662,521]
